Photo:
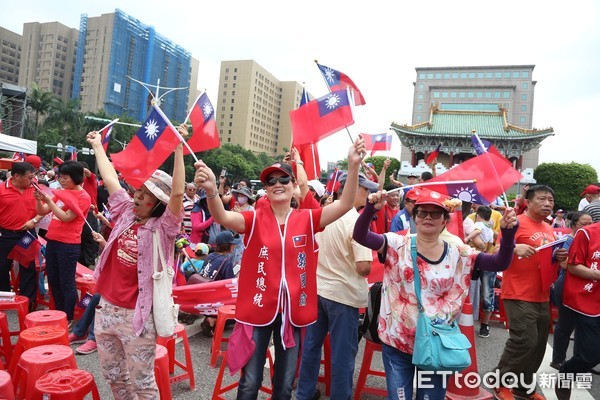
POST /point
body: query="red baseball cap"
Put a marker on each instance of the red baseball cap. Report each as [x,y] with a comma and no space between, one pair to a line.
[282,167]
[413,194]
[590,189]
[34,160]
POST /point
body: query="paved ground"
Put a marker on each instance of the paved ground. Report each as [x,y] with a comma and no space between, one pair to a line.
[488,353]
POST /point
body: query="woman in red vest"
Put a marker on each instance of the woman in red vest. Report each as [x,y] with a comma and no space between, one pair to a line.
[277,282]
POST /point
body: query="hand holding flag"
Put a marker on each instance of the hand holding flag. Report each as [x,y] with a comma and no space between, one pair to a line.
[106,132]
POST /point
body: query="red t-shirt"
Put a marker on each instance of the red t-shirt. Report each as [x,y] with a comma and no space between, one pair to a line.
[122,292]
[309,202]
[523,280]
[69,232]
[90,185]
[384,219]
[16,208]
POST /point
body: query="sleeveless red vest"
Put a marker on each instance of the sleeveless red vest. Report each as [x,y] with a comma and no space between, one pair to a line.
[579,294]
[278,271]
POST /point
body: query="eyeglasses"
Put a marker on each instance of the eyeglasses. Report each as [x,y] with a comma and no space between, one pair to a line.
[432,214]
[30,177]
[284,180]
[409,201]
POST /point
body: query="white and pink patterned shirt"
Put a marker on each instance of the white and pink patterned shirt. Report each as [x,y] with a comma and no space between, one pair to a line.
[444,286]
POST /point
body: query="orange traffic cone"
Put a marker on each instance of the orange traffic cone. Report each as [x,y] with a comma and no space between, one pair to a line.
[460,386]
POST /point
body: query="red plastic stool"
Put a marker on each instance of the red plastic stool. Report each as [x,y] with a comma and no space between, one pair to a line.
[21,305]
[6,343]
[65,384]
[224,313]
[326,362]
[34,337]
[161,372]
[218,390]
[86,284]
[365,370]
[187,367]
[6,387]
[47,317]
[37,362]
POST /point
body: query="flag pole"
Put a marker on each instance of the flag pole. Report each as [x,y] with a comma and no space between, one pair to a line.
[349,98]
[187,117]
[314,166]
[432,184]
[474,132]
[109,124]
[177,134]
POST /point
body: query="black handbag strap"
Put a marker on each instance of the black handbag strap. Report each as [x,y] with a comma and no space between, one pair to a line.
[219,269]
[417,278]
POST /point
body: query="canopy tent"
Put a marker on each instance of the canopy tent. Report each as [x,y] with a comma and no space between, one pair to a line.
[12,143]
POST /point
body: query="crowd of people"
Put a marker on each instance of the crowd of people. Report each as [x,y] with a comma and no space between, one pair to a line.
[302,256]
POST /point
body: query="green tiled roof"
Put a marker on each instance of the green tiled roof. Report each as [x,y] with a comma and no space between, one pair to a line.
[489,125]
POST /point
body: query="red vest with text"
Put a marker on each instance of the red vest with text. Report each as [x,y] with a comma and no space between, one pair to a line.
[279,271]
[579,294]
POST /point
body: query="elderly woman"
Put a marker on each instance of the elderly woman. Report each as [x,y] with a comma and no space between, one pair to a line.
[124,325]
[277,283]
[444,270]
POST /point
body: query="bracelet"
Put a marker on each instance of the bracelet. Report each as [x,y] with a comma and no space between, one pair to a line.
[34,221]
[300,163]
[213,196]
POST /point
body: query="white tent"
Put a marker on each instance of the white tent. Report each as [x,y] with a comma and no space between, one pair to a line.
[12,143]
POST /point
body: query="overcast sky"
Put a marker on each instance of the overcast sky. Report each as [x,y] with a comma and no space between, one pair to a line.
[379,46]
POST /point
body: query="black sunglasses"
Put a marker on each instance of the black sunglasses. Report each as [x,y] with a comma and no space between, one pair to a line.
[433,214]
[284,180]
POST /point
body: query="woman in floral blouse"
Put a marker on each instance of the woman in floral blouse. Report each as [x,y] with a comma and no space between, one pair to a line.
[445,272]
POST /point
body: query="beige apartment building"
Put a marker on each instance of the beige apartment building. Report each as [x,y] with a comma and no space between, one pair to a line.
[48,57]
[10,56]
[253,107]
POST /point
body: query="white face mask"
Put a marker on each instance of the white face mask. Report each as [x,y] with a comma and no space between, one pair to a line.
[242,199]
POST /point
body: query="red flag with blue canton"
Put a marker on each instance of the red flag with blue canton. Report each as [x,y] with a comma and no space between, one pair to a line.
[433,155]
[489,184]
[337,80]
[299,241]
[320,118]
[106,132]
[487,147]
[548,267]
[205,134]
[309,153]
[379,142]
[147,150]
[333,181]
[26,250]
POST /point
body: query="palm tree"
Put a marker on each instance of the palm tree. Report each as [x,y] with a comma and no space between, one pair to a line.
[66,116]
[39,100]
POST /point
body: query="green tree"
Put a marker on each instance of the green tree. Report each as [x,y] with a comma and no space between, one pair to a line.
[39,100]
[377,162]
[567,181]
[66,117]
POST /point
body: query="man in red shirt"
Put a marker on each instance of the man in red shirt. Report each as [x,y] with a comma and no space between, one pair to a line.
[581,293]
[526,299]
[17,218]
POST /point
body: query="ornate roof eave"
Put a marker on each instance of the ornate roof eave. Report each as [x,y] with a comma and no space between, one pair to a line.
[528,133]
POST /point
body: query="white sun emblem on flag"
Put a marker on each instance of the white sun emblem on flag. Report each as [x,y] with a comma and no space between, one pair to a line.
[332,101]
[329,75]
[151,129]
[466,194]
[27,240]
[207,109]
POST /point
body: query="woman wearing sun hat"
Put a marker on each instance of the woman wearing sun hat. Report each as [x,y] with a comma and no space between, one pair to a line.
[445,271]
[277,283]
[124,326]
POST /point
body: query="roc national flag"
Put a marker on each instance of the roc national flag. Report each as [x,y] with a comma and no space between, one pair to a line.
[433,155]
[205,134]
[319,118]
[106,133]
[484,146]
[337,80]
[309,153]
[147,150]
[26,250]
[379,142]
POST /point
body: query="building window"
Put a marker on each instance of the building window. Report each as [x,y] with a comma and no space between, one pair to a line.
[488,95]
[429,76]
[522,120]
[524,96]
[422,75]
[438,75]
[496,95]
[463,75]
[461,95]
[525,74]
[419,106]
[421,86]
[446,75]
[489,75]
[525,85]
[498,75]
[507,75]
[471,95]
[506,95]
[480,75]
[480,95]
[471,75]
[455,75]
[436,95]
[420,97]
[452,95]
[524,107]
[516,75]
[419,117]
[444,95]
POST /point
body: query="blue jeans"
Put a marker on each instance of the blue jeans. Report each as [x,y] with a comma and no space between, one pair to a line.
[285,363]
[61,264]
[341,321]
[86,323]
[399,371]
[488,280]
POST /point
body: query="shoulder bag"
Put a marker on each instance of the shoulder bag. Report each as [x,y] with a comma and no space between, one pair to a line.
[164,309]
[438,347]
[199,278]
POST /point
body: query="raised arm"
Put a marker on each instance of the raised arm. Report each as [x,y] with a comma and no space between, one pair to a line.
[381,177]
[362,234]
[106,169]
[205,178]
[301,177]
[501,259]
[178,184]
[345,203]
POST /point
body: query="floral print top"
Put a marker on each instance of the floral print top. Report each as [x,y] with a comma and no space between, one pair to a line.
[444,287]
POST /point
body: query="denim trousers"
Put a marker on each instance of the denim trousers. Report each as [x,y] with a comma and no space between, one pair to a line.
[86,323]
[488,280]
[61,264]
[399,374]
[565,324]
[285,363]
[341,321]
